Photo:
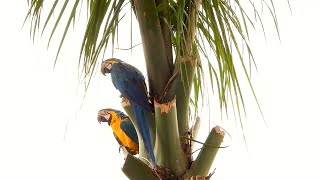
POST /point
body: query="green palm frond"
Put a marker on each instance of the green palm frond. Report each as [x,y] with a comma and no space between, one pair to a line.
[103,19]
[222,28]
[106,12]
[34,13]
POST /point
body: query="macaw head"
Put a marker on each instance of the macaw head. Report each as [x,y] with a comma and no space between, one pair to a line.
[104,116]
[106,65]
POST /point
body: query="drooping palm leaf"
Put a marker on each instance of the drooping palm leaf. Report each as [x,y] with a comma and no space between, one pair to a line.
[221,29]
[221,26]
[103,19]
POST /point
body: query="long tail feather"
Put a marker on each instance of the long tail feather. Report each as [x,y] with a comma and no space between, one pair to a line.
[140,115]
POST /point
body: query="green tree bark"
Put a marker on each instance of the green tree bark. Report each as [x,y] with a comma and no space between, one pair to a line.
[201,166]
[168,150]
[156,57]
[135,169]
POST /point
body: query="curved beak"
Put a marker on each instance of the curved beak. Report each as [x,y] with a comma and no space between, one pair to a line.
[106,67]
[103,70]
[100,118]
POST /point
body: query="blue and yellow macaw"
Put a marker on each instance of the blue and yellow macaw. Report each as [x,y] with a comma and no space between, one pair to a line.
[122,127]
[131,83]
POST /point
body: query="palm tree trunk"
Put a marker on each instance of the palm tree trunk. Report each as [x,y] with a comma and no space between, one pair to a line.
[169,152]
[155,50]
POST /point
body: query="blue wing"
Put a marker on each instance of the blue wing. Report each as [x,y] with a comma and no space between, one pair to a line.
[143,127]
[131,83]
[127,127]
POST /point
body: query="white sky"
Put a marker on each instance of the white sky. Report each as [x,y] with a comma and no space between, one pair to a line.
[37,103]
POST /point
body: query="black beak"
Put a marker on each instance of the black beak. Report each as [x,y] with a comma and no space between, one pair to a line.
[100,118]
[104,70]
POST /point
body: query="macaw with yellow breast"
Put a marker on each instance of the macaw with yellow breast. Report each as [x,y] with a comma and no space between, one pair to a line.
[122,127]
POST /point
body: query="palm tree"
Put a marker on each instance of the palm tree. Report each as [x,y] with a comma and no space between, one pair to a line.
[176,37]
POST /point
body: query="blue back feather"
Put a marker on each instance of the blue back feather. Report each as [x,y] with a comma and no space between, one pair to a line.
[131,83]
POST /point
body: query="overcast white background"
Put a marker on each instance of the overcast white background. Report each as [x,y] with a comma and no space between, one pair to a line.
[37,103]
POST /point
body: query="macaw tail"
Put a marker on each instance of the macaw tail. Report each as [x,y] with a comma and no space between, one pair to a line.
[142,121]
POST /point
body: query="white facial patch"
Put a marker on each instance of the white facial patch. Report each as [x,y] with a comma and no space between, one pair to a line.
[109,66]
[107,116]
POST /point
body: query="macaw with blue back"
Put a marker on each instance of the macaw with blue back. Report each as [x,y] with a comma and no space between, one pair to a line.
[122,127]
[131,83]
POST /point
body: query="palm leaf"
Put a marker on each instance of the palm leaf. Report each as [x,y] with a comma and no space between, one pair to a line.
[221,25]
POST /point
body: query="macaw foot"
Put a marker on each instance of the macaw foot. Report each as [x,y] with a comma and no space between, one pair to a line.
[120,147]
